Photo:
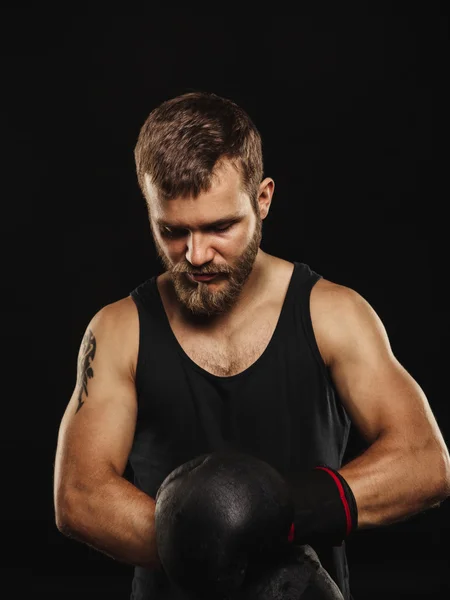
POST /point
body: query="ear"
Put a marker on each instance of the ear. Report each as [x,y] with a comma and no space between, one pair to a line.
[266,190]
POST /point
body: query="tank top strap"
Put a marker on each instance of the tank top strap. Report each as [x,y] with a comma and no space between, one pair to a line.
[303,276]
[149,304]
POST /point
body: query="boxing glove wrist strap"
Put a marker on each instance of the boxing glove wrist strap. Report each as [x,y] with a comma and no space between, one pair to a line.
[325,508]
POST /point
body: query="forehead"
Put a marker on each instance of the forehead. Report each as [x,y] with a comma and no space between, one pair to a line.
[225,197]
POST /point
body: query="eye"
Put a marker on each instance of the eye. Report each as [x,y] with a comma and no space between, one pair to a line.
[222,228]
[172,233]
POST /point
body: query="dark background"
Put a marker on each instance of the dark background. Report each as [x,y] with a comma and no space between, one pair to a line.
[353,111]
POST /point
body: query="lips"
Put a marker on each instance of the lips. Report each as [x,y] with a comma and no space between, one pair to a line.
[195,277]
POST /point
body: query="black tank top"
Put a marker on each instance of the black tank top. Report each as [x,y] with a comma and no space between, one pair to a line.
[282,409]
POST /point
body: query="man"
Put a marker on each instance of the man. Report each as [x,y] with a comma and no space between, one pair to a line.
[231,347]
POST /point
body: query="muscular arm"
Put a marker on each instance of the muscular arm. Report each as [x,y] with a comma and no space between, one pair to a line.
[94,503]
[406,468]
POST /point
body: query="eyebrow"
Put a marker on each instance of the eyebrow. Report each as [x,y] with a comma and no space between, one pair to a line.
[217,223]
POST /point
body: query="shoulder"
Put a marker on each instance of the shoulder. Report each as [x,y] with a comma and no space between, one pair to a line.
[342,319]
[117,316]
[330,296]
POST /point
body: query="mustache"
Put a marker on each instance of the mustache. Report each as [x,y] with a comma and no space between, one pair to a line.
[210,270]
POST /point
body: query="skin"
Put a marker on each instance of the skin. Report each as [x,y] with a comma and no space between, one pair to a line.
[188,243]
[406,468]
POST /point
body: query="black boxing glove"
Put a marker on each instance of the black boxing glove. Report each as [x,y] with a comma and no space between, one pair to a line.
[297,573]
[218,512]
[213,514]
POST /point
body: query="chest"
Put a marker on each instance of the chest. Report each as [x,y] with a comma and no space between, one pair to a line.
[227,355]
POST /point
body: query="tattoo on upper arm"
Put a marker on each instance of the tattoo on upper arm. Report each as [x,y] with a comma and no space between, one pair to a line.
[85,371]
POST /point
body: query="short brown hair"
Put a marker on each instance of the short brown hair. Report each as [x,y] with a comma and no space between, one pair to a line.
[185,138]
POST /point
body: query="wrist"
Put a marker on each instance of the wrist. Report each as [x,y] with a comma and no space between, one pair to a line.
[325,508]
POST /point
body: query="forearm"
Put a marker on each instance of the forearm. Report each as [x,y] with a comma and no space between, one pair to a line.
[115,518]
[390,482]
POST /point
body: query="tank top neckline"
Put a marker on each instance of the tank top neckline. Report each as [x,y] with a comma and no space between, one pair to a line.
[266,351]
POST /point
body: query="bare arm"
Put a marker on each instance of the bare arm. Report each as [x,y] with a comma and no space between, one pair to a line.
[94,503]
[406,468]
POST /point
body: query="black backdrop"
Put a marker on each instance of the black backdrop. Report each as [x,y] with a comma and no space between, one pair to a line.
[353,113]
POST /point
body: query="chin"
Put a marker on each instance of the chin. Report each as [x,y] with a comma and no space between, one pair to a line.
[204,312]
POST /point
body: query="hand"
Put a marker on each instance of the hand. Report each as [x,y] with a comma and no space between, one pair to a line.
[216,513]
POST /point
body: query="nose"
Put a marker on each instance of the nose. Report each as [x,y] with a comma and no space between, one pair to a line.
[199,250]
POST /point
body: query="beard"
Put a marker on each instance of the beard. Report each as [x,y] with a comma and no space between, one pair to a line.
[197,297]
